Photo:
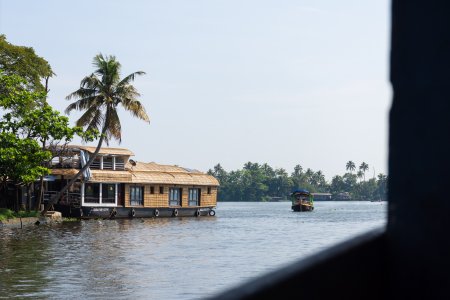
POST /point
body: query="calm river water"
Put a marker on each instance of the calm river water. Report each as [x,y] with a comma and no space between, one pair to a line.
[185,258]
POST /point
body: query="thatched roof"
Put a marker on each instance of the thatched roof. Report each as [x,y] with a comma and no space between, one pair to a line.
[167,174]
[110,176]
[147,173]
[64,172]
[104,150]
[154,167]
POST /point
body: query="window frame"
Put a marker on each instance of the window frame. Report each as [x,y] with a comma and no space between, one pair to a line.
[136,195]
[175,196]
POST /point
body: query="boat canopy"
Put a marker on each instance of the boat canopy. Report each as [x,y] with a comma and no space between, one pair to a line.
[300,191]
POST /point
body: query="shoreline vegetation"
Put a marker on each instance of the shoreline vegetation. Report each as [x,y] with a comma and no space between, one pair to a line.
[6,214]
[21,218]
[261,182]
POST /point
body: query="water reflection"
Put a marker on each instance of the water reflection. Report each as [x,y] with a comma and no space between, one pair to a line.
[24,262]
[168,258]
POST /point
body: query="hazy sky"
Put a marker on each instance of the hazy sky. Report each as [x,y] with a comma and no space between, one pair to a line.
[277,82]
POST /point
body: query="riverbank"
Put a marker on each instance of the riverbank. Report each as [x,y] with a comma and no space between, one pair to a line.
[20,222]
[16,220]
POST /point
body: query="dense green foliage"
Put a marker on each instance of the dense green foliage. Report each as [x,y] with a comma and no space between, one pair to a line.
[30,129]
[21,156]
[257,182]
[22,61]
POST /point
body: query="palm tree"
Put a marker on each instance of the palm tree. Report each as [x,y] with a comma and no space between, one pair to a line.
[364,167]
[350,166]
[99,96]
[360,175]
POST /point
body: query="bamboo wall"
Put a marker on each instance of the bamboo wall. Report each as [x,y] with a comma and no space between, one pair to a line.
[162,200]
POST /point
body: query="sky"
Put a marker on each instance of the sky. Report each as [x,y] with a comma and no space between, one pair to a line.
[276,82]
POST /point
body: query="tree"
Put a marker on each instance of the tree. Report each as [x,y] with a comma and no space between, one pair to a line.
[364,167]
[22,61]
[350,166]
[360,174]
[319,180]
[24,124]
[99,96]
[21,157]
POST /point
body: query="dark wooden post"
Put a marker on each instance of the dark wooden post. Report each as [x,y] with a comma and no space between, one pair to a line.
[419,148]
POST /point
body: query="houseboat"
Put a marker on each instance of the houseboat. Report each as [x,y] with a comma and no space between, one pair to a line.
[321,196]
[115,186]
[302,200]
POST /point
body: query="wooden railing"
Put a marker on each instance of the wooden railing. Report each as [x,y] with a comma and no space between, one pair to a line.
[66,198]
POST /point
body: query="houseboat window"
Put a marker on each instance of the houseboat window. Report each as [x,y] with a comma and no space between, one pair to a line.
[161,190]
[209,190]
[108,193]
[92,193]
[174,196]
[120,165]
[194,197]
[107,162]
[136,195]
[152,190]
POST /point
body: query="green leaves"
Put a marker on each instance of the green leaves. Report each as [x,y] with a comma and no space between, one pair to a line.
[101,93]
[24,62]
[21,159]
[26,126]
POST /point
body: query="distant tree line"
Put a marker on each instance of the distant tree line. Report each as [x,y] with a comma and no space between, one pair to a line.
[261,182]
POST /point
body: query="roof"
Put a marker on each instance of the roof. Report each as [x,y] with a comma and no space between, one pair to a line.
[154,167]
[104,150]
[167,174]
[147,173]
[300,191]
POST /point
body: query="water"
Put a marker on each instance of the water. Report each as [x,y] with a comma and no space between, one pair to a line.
[185,258]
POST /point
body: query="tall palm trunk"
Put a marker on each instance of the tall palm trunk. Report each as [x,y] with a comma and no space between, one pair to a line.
[41,184]
[72,181]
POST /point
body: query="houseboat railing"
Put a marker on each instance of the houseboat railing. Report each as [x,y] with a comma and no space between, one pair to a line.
[67,198]
[107,165]
[75,163]
[95,164]
[66,162]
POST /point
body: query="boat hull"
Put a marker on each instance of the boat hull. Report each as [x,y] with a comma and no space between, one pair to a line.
[302,208]
[88,212]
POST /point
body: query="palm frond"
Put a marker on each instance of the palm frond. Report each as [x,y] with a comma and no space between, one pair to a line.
[136,109]
[114,126]
[86,118]
[97,121]
[83,104]
[130,77]
[91,82]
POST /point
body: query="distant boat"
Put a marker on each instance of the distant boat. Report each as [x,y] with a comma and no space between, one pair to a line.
[302,200]
[321,196]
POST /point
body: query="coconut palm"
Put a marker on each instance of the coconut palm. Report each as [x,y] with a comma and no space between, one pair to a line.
[360,175]
[364,167]
[99,96]
[350,166]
